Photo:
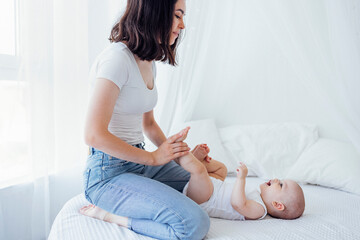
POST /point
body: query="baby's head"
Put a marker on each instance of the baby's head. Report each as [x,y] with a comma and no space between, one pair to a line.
[283,198]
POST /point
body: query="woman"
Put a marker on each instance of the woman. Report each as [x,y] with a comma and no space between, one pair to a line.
[121,177]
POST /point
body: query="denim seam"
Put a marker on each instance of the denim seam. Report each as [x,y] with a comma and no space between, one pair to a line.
[116,165]
[87,177]
[166,180]
[157,202]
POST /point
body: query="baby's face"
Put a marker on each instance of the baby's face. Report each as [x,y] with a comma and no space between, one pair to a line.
[277,190]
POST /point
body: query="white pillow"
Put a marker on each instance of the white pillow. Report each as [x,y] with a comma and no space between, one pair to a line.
[205,131]
[268,150]
[329,163]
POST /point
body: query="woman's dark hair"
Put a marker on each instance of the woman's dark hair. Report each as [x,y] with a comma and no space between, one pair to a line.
[145,28]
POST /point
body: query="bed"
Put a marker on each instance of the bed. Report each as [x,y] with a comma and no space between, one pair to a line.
[328,171]
[329,214]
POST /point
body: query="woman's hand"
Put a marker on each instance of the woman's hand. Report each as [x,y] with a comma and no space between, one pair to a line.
[171,149]
[184,134]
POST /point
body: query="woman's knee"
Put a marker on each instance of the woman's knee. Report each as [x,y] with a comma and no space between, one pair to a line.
[201,225]
[197,225]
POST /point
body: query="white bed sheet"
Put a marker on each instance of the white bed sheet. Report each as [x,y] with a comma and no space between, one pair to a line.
[329,214]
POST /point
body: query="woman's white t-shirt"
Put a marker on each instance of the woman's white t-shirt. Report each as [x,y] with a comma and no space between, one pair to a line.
[117,64]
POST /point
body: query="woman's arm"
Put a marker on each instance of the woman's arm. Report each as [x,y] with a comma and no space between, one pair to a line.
[152,129]
[248,208]
[97,135]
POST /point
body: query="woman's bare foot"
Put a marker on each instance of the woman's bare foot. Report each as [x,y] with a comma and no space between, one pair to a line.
[93,211]
[99,213]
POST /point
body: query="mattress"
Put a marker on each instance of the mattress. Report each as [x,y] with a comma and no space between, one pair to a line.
[329,214]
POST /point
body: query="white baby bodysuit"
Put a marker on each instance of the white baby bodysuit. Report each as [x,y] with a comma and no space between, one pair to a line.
[219,204]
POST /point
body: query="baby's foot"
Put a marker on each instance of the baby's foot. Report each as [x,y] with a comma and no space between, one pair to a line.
[191,164]
[201,152]
[93,211]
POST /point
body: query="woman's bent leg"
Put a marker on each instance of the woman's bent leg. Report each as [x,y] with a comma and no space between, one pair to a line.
[154,209]
[170,174]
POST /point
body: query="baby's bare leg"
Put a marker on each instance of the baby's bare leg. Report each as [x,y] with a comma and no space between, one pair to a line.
[215,168]
[200,187]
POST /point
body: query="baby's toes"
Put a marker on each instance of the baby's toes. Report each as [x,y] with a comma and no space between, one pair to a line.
[202,148]
[197,147]
[204,152]
[207,149]
[88,207]
[83,210]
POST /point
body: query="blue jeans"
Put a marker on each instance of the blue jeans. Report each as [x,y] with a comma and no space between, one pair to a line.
[150,196]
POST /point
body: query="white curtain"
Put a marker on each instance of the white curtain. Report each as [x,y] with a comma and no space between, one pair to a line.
[179,87]
[344,36]
[326,60]
[267,61]
[53,48]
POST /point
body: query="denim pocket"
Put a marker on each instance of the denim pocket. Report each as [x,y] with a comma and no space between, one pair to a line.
[115,162]
[112,162]
[114,166]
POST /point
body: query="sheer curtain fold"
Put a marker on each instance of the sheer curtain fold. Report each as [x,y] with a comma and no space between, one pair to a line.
[344,34]
[36,71]
[326,59]
[183,83]
[71,67]
[53,48]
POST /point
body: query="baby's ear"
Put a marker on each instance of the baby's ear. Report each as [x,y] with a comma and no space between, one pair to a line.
[278,205]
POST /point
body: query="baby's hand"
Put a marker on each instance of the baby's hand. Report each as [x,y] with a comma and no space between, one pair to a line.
[242,170]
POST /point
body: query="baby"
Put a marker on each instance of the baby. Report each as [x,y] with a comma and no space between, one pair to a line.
[281,199]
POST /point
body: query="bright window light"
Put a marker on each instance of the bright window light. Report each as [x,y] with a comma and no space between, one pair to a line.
[14,123]
[14,131]
[7,27]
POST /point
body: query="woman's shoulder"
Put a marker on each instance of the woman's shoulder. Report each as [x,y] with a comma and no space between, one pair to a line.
[118,46]
[116,52]
[113,63]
